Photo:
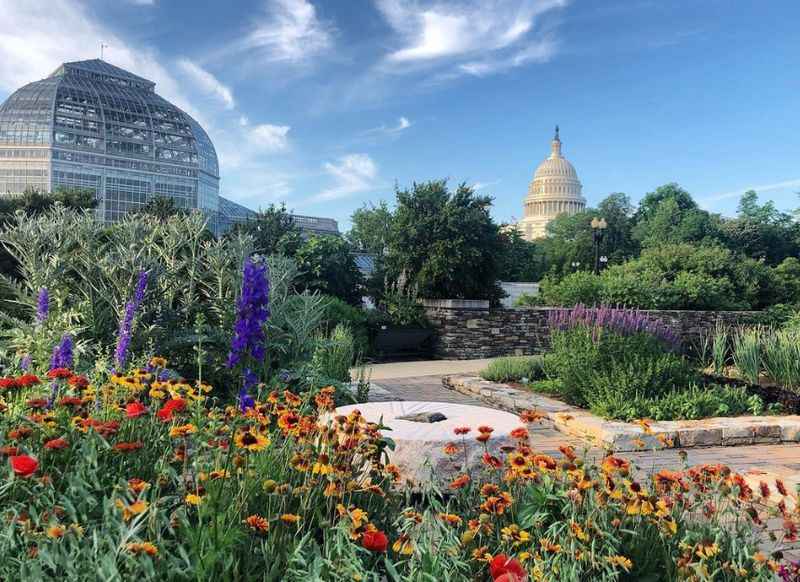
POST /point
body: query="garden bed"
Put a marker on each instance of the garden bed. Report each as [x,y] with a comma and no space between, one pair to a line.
[627,436]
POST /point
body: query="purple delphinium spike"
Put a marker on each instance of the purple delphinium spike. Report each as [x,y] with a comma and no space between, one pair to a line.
[126,323]
[42,305]
[249,340]
[62,353]
[25,363]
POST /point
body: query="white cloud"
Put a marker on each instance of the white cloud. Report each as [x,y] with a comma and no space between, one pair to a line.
[351,174]
[269,138]
[402,124]
[38,35]
[479,36]
[208,82]
[289,31]
[143,2]
[785,185]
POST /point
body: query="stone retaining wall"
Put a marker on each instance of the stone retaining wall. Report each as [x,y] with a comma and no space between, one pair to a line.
[467,332]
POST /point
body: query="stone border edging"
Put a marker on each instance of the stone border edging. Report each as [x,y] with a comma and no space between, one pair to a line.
[625,436]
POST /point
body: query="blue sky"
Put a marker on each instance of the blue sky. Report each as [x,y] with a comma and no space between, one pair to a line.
[326,104]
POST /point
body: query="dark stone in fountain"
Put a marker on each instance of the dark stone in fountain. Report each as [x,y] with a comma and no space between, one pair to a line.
[428,417]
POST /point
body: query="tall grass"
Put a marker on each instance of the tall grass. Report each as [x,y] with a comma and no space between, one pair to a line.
[719,349]
[335,354]
[747,353]
[781,357]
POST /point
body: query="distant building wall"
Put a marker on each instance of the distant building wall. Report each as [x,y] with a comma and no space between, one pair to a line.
[466,332]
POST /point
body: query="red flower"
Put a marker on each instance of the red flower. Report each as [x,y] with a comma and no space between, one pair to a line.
[23,465]
[170,407]
[128,447]
[27,380]
[483,429]
[8,383]
[70,401]
[135,409]
[375,541]
[37,403]
[59,373]
[501,565]
[56,444]
[491,461]
[461,430]
[9,451]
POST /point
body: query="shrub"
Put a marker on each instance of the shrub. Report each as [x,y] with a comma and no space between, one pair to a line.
[607,354]
[335,354]
[514,369]
[781,356]
[746,353]
[336,311]
[693,403]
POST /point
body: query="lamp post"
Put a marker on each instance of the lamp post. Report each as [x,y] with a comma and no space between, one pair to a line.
[599,226]
[576,265]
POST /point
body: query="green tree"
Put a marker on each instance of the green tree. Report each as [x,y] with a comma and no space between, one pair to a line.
[443,244]
[326,264]
[519,260]
[371,227]
[761,231]
[670,216]
[274,231]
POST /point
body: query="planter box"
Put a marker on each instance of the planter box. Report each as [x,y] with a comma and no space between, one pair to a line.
[402,341]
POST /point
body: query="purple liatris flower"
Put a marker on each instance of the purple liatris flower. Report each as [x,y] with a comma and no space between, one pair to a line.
[42,305]
[126,322]
[25,363]
[62,353]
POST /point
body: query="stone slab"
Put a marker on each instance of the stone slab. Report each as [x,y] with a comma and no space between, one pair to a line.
[624,436]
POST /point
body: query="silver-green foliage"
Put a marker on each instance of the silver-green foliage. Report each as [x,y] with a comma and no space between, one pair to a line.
[782,356]
[747,353]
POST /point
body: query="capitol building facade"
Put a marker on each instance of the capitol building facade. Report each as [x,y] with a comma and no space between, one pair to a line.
[554,190]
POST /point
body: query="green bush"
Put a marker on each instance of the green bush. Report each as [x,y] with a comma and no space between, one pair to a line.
[674,276]
[514,369]
[338,311]
[693,403]
[596,366]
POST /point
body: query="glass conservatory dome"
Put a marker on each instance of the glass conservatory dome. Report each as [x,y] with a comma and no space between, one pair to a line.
[95,126]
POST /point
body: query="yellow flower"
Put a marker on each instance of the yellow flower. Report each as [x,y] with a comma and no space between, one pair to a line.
[403,545]
[251,440]
[620,561]
[578,532]
[193,499]
[182,431]
[704,551]
[514,534]
[158,362]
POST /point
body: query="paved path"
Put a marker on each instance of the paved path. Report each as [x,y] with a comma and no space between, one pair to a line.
[397,370]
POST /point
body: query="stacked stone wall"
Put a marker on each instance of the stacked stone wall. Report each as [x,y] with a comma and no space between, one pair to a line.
[468,333]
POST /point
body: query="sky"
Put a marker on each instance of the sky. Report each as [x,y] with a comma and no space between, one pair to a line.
[330,104]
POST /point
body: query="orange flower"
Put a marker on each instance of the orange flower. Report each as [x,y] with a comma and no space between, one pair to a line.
[450,519]
[520,433]
[128,447]
[483,437]
[288,421]
[459,482]
[483,429]
[568,452]
[56,444]
[544,462]
[491,461]
[257,523]
[612,464]
[461,430]
[137,548]
[290,518]
[489,489]
[781,487]
[531,416]
[451,449]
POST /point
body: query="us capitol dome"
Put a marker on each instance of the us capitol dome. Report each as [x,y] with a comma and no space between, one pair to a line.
[554,190]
